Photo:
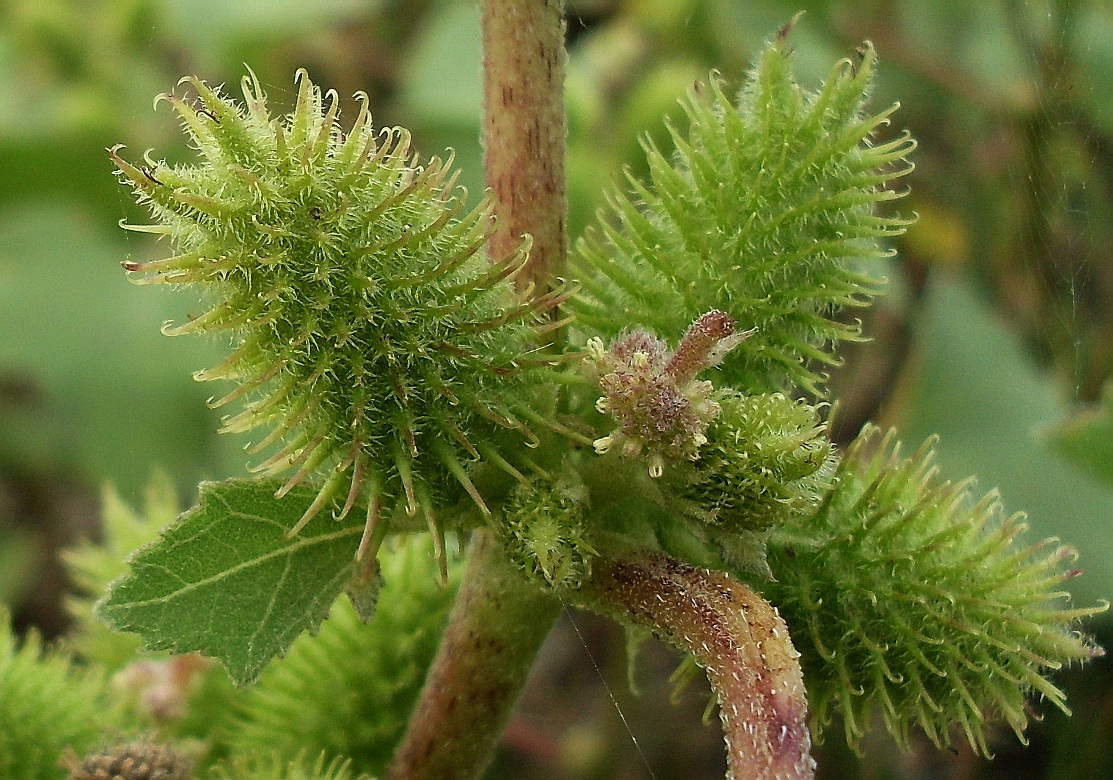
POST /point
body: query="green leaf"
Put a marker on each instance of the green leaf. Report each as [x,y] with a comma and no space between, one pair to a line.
[226,581]
[965,353]
[1086,438]
[349,690]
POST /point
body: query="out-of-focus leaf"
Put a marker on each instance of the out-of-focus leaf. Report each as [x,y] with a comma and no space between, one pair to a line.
[69,167]
[210,25]
[977,43]
[441,89]
[108,394]
[1086,438]
[19,559]
[977,390]
[441,79]
[1095,54]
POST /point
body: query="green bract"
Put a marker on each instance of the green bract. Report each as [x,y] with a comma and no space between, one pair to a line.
[374,338]
[905,593]
[765,213]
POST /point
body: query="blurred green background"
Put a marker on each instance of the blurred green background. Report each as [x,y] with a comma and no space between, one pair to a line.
[997,332]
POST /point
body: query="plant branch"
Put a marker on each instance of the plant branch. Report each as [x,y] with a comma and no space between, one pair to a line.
[498,624]
[524,132]
[499,620]
[736,636]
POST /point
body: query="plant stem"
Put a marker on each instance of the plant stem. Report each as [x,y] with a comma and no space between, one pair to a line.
[498,624]
[499,620]
[736,636]
[524,132]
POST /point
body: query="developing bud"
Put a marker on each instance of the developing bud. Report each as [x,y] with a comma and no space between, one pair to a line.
[135,761]
[766,461]
[662,409]
[545,532]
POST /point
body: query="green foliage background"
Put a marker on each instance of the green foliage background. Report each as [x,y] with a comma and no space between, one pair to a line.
[996,332]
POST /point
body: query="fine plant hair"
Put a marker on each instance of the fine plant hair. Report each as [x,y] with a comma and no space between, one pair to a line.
[640,430]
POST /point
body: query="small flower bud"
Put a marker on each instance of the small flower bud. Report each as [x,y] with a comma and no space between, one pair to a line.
[135,761]
[661,408]
[545,533]
[766,460]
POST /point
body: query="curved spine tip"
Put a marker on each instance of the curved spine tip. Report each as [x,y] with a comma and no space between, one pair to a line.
[404,466]
[436,531]
[491,453]
[356,486]
[372,538]
[324,495]
[451,462]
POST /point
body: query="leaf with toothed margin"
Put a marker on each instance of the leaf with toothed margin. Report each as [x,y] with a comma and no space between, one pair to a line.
[227,581]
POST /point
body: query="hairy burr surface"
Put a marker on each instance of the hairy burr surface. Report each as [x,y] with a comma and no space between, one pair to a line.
[375,344]
[909,595]
[767,459]
[769,207]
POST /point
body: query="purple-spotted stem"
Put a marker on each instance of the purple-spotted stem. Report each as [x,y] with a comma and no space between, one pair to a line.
[737,637]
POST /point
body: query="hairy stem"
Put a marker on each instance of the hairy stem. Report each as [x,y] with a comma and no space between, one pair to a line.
[736,636]
[499,620]
[498,624]
[524,130]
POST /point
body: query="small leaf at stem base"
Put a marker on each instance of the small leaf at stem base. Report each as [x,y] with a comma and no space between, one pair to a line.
[225,580]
